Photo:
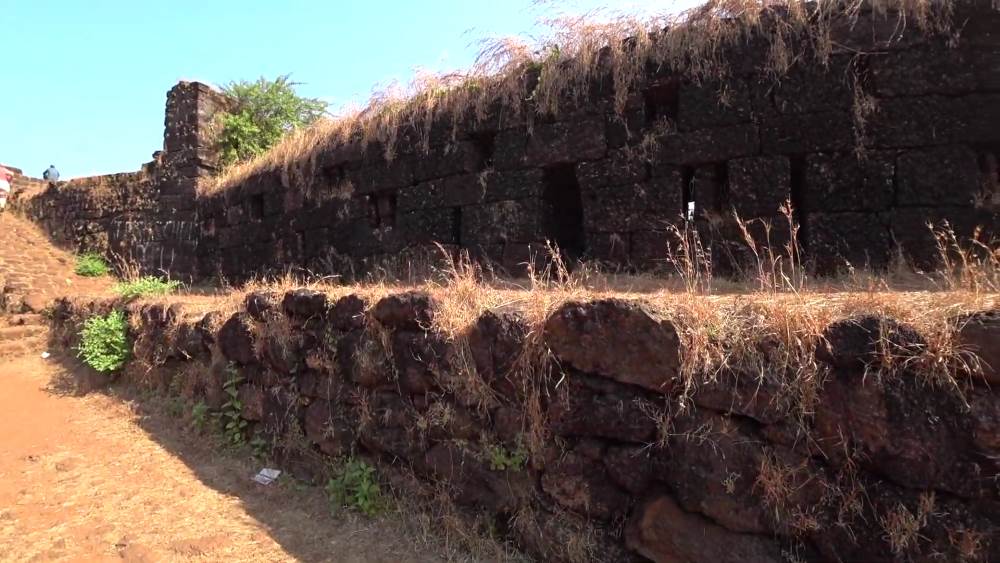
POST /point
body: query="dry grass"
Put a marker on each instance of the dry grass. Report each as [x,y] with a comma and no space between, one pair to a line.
[767,329]
[902,526]
[519,81]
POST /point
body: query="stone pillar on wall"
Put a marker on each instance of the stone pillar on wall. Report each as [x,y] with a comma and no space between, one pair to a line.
[188,147]
[165,238]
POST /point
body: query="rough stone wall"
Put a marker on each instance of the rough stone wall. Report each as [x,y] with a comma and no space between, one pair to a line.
[84,213]
[585,180]
[148,218]
[616,465]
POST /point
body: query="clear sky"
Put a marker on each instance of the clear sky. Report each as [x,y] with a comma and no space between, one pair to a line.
[83,83]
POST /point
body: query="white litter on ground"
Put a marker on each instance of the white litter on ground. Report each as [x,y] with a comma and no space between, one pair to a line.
[267,476]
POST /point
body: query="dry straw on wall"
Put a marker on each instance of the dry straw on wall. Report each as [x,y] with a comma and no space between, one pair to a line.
[519,80]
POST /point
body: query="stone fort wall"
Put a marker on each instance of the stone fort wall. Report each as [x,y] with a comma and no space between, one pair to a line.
[148,217]
[898,129]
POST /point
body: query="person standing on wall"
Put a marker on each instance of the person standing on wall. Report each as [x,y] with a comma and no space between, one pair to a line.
[6,177]
[51,175]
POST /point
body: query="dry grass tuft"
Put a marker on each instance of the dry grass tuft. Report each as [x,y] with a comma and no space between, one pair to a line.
[520,81]
[968,544]
[902,527]
[777,483]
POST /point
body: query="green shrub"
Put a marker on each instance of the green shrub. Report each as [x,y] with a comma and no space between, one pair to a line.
[91,265]
[264,112]
[148,285]
[356,487]
[104,343]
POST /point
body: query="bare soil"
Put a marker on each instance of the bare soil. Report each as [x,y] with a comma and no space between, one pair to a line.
[87,478]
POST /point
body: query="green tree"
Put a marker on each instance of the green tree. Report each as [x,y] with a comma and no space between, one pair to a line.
[264,112]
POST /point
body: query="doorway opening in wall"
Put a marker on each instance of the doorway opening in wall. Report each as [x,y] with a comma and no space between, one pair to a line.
[989,177]
[382,210]
[563,210]
[687,193]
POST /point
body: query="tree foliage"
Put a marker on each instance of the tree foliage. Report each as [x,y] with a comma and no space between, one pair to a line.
[264,112]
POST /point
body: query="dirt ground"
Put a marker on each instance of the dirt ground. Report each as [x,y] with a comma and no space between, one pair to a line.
[85,478]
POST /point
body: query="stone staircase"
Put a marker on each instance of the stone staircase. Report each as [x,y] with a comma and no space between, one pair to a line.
[22,335]
[33,272]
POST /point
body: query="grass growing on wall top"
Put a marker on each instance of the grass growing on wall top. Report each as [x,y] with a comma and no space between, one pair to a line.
[145,286]
[91,265]
[527,79]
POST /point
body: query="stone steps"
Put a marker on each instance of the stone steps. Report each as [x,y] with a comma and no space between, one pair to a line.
[14,333]
[23,347]
[22,319]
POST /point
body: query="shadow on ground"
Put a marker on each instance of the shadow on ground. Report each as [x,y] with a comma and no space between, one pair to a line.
[294,514]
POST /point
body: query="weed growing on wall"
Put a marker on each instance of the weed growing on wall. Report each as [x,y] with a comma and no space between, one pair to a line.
[265,111]
[355,487]
[199,416]
[233,424]
[502,459]
[260,446]
[104,343]
[148,285]
[91,265]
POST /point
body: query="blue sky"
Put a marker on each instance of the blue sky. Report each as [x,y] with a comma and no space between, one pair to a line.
[83,83]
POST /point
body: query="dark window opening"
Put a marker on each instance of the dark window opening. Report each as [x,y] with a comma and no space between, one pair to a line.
[564,210]
[989,174]
[456,225]
[382,210]
[255,207]
[661,100]
[485,144]
[333,175]
[720,198]
[797,196]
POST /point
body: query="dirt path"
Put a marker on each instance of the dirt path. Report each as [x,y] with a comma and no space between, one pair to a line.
[80,480]
[99,478]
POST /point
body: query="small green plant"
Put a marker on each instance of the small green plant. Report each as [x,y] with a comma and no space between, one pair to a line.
[148,285]
[260,446]
[501,459]
[356,487]
[175,407]
[199,416]
[233,424]
[104,343]
[91,265]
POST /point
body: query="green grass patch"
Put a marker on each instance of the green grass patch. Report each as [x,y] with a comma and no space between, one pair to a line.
[148,285]
[91,265]
[104,343]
